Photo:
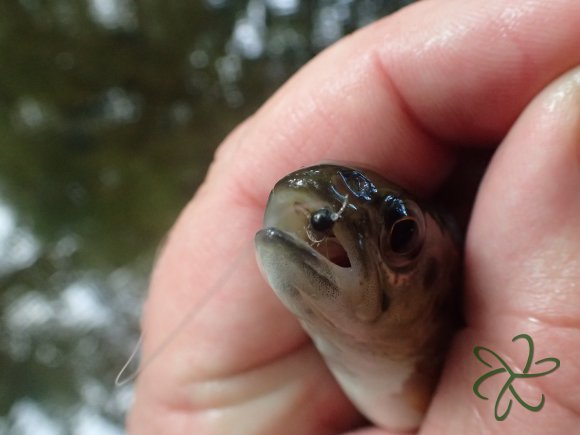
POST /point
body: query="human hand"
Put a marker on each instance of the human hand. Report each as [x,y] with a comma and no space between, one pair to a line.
[408,95]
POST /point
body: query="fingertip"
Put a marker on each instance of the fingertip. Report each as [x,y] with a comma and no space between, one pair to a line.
[524,234]
[522,259]
[562,105]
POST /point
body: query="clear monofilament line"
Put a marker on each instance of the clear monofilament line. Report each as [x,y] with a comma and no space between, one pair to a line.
[192,314]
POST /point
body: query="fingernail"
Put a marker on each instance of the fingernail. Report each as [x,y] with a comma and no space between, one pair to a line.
[563,102]
[566,92]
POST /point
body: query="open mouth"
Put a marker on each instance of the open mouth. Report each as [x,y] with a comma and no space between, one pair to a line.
[331,248]
[296,222]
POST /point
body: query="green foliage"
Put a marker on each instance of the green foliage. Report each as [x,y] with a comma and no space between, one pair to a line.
[109,115]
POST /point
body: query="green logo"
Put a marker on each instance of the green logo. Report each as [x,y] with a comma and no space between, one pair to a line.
[512,377]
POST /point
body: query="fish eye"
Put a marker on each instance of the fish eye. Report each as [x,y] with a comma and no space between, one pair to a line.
[403,230]
[403,236]
[321,220]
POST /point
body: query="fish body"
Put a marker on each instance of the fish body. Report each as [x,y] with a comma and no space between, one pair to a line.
[372,277]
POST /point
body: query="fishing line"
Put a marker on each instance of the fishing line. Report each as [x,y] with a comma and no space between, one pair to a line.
[247,251]
[220,283]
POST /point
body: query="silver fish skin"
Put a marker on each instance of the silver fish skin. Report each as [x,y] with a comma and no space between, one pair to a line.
[372,276]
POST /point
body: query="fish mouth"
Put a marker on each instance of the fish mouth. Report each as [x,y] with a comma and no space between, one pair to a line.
[321,256]
[304,279]
[312,280]
[333,245]
[315,255]
[313,265]
[333,250]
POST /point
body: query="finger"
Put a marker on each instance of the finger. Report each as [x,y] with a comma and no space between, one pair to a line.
[435,73]
[522,266]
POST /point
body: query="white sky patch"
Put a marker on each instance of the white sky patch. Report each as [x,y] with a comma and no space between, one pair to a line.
[7,222]
[29,312]
[88,422]
[81,307]
[216,3]
[283,7]
[330,23]
[18,246]
[199,59]
[123,397]
[113,14]
[20,251]
[30,113]
[65,247]
[248,36]
[119,106]
[98,395]
[248,39]
[31,419]
[94,393]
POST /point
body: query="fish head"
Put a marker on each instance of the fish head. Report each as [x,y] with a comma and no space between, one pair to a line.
[357,259]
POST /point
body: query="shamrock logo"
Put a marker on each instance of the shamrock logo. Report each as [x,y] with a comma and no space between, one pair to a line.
[512,377]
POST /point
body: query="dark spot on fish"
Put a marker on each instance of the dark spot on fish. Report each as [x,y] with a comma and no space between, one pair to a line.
[431,273]
[385,302]
[393,209]
[323,286]
[358,184]
[292,291]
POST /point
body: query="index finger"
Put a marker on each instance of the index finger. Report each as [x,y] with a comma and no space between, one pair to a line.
[399,92]
[391,96]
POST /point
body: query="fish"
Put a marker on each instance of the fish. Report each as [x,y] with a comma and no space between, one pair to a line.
[372,275]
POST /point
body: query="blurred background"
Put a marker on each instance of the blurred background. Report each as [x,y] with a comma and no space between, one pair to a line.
[110,111]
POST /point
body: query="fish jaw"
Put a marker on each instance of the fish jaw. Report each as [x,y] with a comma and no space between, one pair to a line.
[307,283]
[303,279]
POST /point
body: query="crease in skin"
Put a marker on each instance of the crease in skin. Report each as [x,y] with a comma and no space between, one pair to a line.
[277,392]
[380,304]
[515,356]
[409,116]
[255,383]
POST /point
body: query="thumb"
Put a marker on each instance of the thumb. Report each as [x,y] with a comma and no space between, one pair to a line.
[523,276]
